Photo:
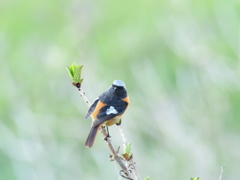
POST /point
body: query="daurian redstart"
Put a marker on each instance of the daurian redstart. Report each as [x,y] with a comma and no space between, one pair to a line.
[107,109]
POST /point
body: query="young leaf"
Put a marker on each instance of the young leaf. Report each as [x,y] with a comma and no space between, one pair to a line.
[127,152]
[74,72]
[195,178]
[127,148]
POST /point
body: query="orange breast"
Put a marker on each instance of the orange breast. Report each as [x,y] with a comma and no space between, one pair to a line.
[126,99]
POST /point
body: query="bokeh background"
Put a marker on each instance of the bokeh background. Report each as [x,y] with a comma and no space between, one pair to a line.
[178,58]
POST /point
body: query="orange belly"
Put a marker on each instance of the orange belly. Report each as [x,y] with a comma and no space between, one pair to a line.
[113,120]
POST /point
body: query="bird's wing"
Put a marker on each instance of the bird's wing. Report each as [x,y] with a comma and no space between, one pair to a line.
[108,112]
[92,108]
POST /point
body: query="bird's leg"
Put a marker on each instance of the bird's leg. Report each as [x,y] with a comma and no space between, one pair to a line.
[108,135]
[119,122]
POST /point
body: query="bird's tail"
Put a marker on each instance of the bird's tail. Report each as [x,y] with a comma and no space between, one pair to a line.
[91,136]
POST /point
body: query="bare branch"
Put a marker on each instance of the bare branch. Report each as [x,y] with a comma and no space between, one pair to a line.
[115,154]
[83,95]
[130,163]
[74,72]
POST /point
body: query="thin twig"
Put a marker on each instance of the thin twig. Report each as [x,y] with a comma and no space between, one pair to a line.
[122,134]
[115,155]
[130,163]
[83,95]
[104,132]
[133,167]
[220,177]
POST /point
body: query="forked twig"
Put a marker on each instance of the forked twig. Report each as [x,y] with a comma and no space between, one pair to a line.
[75,74]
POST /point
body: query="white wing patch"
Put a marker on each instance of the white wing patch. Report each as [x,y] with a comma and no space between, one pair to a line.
[111,110]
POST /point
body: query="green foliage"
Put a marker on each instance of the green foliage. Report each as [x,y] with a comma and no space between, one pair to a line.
[195,178]
[146,178]
[127,151]
[75,72]
[127,148]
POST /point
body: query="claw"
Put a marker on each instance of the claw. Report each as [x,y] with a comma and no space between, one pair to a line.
[106,137]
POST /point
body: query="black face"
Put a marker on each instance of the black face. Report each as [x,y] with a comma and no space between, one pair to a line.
[114,93]
[118,91]
[118,87]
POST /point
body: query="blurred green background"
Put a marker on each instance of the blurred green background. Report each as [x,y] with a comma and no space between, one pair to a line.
[178,58]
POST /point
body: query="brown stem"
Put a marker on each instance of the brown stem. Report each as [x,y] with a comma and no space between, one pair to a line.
[130,163]
[115,154]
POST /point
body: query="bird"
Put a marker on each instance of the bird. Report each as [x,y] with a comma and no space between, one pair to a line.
[107,109]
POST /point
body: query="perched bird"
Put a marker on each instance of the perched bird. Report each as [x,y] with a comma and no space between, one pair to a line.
[107,109]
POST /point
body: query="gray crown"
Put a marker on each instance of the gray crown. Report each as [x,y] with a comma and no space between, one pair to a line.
[118,83]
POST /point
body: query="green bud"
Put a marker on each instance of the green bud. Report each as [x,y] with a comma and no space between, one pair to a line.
[74,72]
[127,149]
[195,178]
